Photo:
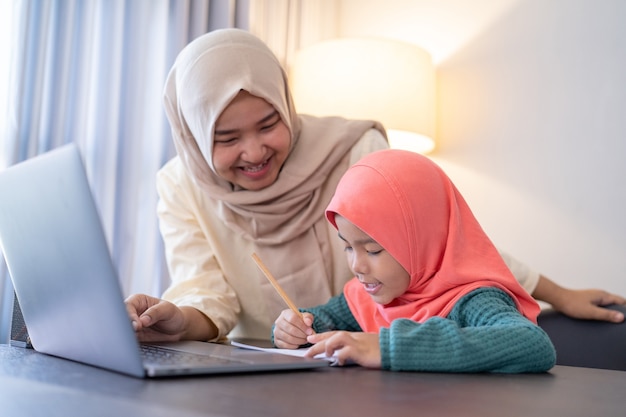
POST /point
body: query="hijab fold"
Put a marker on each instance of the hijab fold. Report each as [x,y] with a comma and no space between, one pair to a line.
[407,204]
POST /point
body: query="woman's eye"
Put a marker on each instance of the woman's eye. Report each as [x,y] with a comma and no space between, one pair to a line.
[270,126]
[225,141]
[374,252]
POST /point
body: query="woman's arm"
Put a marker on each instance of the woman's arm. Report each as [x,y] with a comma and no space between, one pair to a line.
[580,304]
[208,303]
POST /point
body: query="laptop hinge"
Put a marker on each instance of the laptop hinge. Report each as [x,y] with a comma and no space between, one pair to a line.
[19,332]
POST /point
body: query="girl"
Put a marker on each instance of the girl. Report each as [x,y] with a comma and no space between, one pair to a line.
[430,292]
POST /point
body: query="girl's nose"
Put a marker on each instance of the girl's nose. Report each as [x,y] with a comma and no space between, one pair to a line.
[358,263]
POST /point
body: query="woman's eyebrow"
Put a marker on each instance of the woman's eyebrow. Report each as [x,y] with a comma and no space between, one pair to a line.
[268,117]
[225,132]
[231,131]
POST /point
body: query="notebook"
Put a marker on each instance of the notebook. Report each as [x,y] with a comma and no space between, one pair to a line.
[67,286]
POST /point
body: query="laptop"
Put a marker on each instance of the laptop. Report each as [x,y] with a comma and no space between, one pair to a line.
[67,287]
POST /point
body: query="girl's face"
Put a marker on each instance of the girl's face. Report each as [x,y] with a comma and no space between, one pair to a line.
[382,276]
[251,142]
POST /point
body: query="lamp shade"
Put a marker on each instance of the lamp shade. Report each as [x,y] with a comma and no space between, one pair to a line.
[359,78]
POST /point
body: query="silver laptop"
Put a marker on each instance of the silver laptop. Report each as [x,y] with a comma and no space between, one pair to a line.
[67,286]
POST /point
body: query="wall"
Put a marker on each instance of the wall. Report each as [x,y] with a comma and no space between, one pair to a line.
[531,121]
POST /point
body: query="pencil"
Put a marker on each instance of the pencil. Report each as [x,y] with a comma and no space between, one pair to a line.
[275,284]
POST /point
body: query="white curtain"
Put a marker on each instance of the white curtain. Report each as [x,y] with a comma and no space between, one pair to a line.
[92,72]
[289,25]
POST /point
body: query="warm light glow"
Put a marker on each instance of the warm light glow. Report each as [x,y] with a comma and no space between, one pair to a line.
[401,139]
[360,78]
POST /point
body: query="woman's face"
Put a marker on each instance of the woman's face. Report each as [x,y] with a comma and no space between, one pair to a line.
[251,143]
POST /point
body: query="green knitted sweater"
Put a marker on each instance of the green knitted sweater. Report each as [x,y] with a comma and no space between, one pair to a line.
[484,332]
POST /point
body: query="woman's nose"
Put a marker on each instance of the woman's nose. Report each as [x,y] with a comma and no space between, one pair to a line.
[253,150]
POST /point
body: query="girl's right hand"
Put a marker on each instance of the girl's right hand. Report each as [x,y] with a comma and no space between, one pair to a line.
[291,331]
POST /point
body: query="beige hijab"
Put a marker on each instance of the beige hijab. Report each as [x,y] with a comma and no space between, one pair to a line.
[284,220]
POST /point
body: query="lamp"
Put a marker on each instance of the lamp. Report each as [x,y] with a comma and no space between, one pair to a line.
[359,78]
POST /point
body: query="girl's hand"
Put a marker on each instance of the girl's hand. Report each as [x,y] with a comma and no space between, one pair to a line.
[360,348]
[291,331]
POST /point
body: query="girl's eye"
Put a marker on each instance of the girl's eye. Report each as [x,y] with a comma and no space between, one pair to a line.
[374,252]
[347,248]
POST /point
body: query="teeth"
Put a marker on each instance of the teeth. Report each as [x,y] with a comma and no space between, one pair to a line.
[254,169]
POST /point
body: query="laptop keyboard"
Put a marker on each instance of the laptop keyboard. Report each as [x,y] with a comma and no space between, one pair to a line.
[164,356]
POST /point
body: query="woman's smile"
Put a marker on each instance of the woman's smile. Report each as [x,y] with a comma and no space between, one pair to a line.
[256,171]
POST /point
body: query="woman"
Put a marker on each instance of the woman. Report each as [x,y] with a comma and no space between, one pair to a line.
[251,175]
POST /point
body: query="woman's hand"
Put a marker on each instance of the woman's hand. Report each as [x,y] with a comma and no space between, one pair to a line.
[588,304]
[580,304]
[360,348]
[291,330]
[157,320]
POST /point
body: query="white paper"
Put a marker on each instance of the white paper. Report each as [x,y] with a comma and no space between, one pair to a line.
[291,352]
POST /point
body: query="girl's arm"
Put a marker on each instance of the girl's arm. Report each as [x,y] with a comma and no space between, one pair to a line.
[483,333]
[334,315]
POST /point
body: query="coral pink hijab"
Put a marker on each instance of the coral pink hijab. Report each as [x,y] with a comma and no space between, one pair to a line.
[409,206]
